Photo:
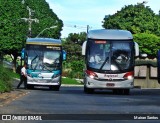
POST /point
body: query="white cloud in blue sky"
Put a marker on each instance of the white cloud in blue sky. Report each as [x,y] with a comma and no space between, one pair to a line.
[90,12]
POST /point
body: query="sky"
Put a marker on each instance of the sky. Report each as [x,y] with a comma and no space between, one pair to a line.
[77,14]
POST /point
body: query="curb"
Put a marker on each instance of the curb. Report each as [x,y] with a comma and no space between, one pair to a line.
[71,85]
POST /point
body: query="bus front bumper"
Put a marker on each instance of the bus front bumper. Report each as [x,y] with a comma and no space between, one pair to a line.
[44,81]
[95,84]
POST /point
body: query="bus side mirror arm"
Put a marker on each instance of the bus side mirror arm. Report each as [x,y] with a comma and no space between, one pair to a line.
[84,48]
[136,49]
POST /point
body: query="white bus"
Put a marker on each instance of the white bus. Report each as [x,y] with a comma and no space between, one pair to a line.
[109,60]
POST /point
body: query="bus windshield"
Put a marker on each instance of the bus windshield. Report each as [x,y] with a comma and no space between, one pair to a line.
[103,55]
[46,58]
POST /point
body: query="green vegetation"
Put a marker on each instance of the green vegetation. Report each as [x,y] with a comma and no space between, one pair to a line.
[14,29]
[148,43]
[14,75]
[72,44]
[5,79]
[73,66]
[135,18]
[70,81]
[142,22]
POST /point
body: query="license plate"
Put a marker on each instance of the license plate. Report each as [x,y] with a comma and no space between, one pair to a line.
[110,84]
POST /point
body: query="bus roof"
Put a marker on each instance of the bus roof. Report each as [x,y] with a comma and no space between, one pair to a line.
[110,34]
[44,41]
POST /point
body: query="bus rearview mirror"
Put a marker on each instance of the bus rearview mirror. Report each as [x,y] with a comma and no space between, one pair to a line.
[64,55]
[136,49]
[84,48]
[22,53]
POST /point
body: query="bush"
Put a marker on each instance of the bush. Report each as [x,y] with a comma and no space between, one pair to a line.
[77,66]
[5,79]
[148,43]
[75,74]
[73,69]
[77,69]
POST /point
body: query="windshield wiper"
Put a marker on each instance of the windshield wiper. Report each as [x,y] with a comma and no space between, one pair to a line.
[103,63]
[33,60]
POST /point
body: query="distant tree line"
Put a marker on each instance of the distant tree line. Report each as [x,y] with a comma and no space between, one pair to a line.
[142,22]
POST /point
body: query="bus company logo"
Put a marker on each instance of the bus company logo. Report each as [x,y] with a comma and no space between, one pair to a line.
[110,75]
[6,117]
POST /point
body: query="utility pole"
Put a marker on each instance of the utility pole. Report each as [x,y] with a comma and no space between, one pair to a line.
[87,28]
[29,20]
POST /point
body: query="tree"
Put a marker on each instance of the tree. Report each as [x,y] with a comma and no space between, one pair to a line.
[73,44]
[135,18]
[148,43]
[13,30]
[46,17]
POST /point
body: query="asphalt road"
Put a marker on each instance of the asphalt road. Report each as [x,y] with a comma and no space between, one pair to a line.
[72,100]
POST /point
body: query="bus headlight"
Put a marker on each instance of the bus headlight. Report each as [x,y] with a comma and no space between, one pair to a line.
[91,74]
[129,75]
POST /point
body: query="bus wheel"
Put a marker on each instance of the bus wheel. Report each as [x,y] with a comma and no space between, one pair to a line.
[117,91]
[126,91]
[30,86]
[121,91]
[55,88]
[88,90]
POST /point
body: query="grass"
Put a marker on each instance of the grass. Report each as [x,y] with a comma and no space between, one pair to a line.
[70,81]
[14,75]
[5,86]
[5,80]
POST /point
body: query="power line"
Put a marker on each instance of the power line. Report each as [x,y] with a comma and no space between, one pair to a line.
[81,27]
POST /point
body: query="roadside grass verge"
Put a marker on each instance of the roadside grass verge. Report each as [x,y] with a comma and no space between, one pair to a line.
[14,75]
[5,80]
[66,80]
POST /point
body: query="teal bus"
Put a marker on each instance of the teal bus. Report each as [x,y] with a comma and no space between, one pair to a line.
[44,57]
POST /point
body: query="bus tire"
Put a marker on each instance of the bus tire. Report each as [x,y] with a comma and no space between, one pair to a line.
[88,90]
[126,91]
[117,91]
[55,88]
[30,86]
[121,91]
